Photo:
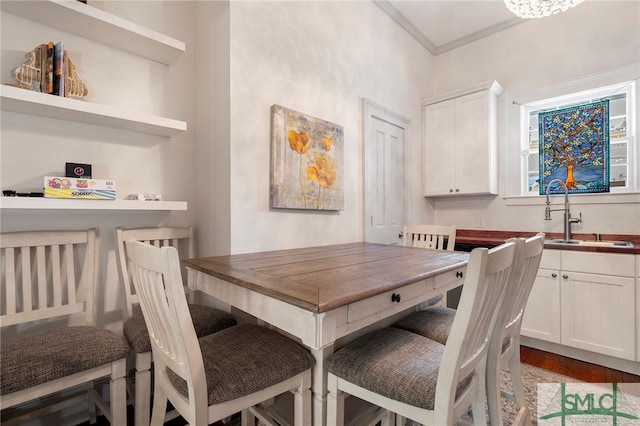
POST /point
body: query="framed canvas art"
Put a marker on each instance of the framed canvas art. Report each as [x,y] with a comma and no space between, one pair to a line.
[307,164]
[575,148]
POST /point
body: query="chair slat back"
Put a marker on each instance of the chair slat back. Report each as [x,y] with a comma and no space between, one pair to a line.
[157,279]
[465,355]
[526,264]
[429,236]
[47,274]
[162,236]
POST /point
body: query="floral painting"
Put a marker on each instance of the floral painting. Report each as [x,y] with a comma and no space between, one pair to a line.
[307,161]
[575,148]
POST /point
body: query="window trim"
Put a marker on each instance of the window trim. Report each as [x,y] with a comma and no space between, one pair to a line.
[611,198]
[514,133]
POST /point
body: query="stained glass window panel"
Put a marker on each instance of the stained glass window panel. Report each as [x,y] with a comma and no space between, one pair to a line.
[574,147]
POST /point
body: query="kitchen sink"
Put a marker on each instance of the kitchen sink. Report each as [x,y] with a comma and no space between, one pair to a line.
[591,243]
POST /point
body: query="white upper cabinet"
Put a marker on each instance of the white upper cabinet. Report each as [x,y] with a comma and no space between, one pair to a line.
[460,136]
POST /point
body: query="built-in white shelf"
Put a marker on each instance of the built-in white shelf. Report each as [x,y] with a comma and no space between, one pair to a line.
[33,203]
[86,21]
[51,106]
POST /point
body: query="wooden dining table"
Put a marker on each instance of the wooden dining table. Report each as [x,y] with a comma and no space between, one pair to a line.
[323,296]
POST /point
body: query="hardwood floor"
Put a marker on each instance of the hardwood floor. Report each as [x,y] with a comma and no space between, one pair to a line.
[580,370]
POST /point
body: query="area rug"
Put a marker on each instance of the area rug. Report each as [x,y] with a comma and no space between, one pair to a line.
[531,376]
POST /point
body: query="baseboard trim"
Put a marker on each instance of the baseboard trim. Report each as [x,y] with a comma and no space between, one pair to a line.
[620,364]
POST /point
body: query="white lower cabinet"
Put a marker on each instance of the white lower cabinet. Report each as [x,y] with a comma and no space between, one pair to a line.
[542,314]
[586,301]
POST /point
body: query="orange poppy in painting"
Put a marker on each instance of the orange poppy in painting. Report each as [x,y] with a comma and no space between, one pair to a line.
[326,144]
[299,142]
[322,173]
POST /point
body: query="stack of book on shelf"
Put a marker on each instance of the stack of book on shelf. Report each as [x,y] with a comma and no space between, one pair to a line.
[48,69]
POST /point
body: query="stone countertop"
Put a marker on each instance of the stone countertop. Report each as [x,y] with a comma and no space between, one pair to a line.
[492,238]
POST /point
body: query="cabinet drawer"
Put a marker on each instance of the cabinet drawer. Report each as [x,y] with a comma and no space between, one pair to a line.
[452,278]
[622,265]
[374,305]
[550,259]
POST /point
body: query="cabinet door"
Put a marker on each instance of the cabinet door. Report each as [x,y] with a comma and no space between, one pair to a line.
[439,136]
[541,319]
[598,313]
[472,162]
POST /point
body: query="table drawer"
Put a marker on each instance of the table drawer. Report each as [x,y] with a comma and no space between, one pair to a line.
[395,300]
[452,277]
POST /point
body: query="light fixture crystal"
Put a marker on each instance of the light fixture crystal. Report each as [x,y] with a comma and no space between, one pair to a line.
[539,8]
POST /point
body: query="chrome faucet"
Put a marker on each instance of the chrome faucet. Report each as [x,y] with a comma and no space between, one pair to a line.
[568,220]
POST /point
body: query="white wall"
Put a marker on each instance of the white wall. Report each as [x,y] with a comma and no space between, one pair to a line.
[212,205]
[32,147]
[320,58]
[591,39]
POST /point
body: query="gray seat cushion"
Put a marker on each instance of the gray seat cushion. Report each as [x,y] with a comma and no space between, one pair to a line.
[435,299]
[244,359]
[38,358]
[394,363]
[206,320]
[434,323]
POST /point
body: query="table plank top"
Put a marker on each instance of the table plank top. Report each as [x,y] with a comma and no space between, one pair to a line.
[323,278]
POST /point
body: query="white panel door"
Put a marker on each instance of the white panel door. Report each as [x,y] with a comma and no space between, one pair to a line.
[598,313]
[440,138]
[472,150]
[541,319]
[384,178]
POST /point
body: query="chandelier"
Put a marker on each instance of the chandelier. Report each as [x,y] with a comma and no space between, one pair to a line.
[539,8]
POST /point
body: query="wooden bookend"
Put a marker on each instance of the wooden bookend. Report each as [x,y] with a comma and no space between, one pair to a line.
[44,69]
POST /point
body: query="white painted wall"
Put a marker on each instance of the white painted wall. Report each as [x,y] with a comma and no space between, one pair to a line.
[213,165]
[320,58]
[32,147]
[591,39]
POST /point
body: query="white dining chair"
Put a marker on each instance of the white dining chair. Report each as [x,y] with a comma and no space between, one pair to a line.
[438,237]
[213,377]
[50,342]
[523,418]
[414,377]
[504,351]
[206,319]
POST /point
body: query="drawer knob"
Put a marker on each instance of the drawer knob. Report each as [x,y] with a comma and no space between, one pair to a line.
[459,274]
[395,298]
